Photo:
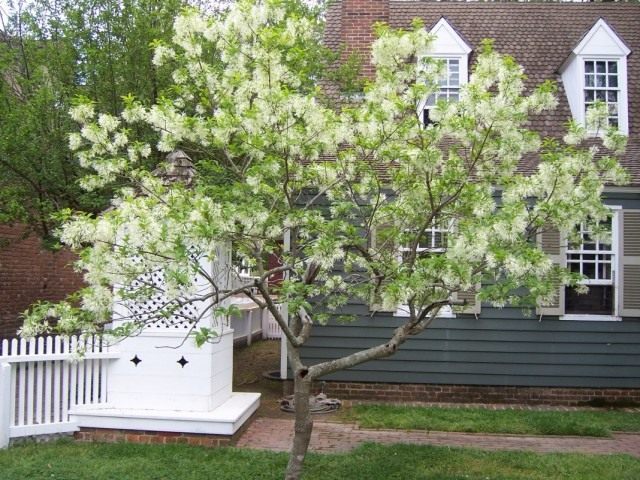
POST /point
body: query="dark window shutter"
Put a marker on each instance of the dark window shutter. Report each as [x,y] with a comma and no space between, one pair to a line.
[470,296]
[550,240]
[629,275]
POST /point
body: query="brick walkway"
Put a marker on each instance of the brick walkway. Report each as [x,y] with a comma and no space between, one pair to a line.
[328,437]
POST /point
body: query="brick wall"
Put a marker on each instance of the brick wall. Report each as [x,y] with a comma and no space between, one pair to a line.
[29,273]
[109,435]
[482,394]
[112,435]
[358,17]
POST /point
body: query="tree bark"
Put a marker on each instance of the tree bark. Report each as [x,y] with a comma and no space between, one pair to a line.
[303,424]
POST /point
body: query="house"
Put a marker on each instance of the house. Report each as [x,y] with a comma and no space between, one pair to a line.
[584,349]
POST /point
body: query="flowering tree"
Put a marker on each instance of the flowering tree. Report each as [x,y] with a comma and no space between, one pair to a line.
[350,187]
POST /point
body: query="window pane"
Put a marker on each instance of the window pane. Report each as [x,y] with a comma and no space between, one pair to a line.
[437,240]
[454,65]
[601,67]
[598,301]
[589,96]
[613,67]
[574,267]
[425,240]
[601,80]
[588,67]
[454,79]
[589,270]
[601,95]
[425,117]
[612,96]
[588,80]
[613,81]
[604,271]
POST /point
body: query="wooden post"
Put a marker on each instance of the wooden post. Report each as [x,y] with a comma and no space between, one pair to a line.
[264,323]
[246,317]
[283,345]
[5,403]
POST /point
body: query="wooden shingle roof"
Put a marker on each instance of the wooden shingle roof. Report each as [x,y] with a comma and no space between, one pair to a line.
[540,36]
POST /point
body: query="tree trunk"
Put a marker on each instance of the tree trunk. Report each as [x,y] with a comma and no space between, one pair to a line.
[303,425]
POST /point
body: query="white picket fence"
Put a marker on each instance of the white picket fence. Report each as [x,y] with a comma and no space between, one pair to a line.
[41,379]
[270,328]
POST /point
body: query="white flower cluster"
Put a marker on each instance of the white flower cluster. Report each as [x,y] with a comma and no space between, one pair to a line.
[83,113]
[161,54]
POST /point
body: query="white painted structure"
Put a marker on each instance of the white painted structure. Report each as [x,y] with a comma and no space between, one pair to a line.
[149,389]
[43,379]
[164,382]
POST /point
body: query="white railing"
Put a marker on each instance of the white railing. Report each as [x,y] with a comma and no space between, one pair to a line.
[41,379]
[251,322]
[246,324]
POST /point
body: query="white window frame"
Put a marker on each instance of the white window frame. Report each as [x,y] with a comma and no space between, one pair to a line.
[446,311]
[597,252]
[615,268]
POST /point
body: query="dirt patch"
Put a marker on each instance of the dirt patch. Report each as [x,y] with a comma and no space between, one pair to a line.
[249,364]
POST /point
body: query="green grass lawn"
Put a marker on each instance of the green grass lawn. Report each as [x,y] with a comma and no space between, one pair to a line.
[71,461]
[480,420]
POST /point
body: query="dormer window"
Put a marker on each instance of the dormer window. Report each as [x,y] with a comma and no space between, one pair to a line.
[450,48]
[596,71]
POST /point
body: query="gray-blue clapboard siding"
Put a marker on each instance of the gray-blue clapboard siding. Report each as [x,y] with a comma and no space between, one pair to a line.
[502,347]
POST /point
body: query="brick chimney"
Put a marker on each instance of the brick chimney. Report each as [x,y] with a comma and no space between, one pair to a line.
[357,20]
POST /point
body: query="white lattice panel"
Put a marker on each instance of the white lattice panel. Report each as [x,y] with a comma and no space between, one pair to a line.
[146,312]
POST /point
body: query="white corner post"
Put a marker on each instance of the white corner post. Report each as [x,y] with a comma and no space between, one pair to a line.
[5,403]
[284,359]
